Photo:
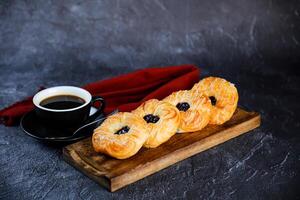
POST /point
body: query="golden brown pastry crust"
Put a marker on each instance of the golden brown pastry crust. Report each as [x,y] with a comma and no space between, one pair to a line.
[121,146]
[197,115]
[225,94]
[165,127]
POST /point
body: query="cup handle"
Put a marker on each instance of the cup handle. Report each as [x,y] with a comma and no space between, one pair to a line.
[100,109]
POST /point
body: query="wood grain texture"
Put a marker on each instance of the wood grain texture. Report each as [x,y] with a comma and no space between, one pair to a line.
[115,174]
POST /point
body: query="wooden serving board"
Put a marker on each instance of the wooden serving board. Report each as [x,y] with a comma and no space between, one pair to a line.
[115,174]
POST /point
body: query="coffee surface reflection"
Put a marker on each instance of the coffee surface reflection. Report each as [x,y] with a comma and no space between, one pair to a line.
[62,102]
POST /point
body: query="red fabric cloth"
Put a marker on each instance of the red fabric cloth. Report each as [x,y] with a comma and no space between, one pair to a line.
[125,92]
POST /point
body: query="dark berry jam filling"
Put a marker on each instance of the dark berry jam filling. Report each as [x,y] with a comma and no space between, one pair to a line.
[151,118]
[184,106]
[123,130]
[213,100]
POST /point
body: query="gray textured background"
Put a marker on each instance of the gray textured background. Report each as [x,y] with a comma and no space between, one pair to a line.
[253,43]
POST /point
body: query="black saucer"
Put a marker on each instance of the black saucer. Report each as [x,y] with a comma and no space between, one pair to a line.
[35,128]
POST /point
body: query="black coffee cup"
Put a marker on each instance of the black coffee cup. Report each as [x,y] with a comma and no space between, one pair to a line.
[66,106]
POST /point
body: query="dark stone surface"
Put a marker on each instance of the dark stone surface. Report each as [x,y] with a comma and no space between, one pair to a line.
[254,44]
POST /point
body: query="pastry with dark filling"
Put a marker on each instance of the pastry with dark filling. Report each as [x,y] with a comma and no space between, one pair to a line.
[162,121]
[194,109]
[120,135]
[223,96]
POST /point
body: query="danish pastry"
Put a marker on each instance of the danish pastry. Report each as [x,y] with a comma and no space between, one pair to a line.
[194,109]
[162,121]
[120,135]
[223,96]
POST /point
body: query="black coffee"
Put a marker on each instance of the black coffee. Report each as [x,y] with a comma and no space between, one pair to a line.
[62,102]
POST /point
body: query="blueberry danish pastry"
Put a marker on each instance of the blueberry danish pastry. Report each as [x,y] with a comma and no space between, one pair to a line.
[120,135]
[223,96]
[194,109]
[162,121]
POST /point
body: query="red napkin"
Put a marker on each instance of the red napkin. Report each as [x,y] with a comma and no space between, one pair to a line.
[125,92]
